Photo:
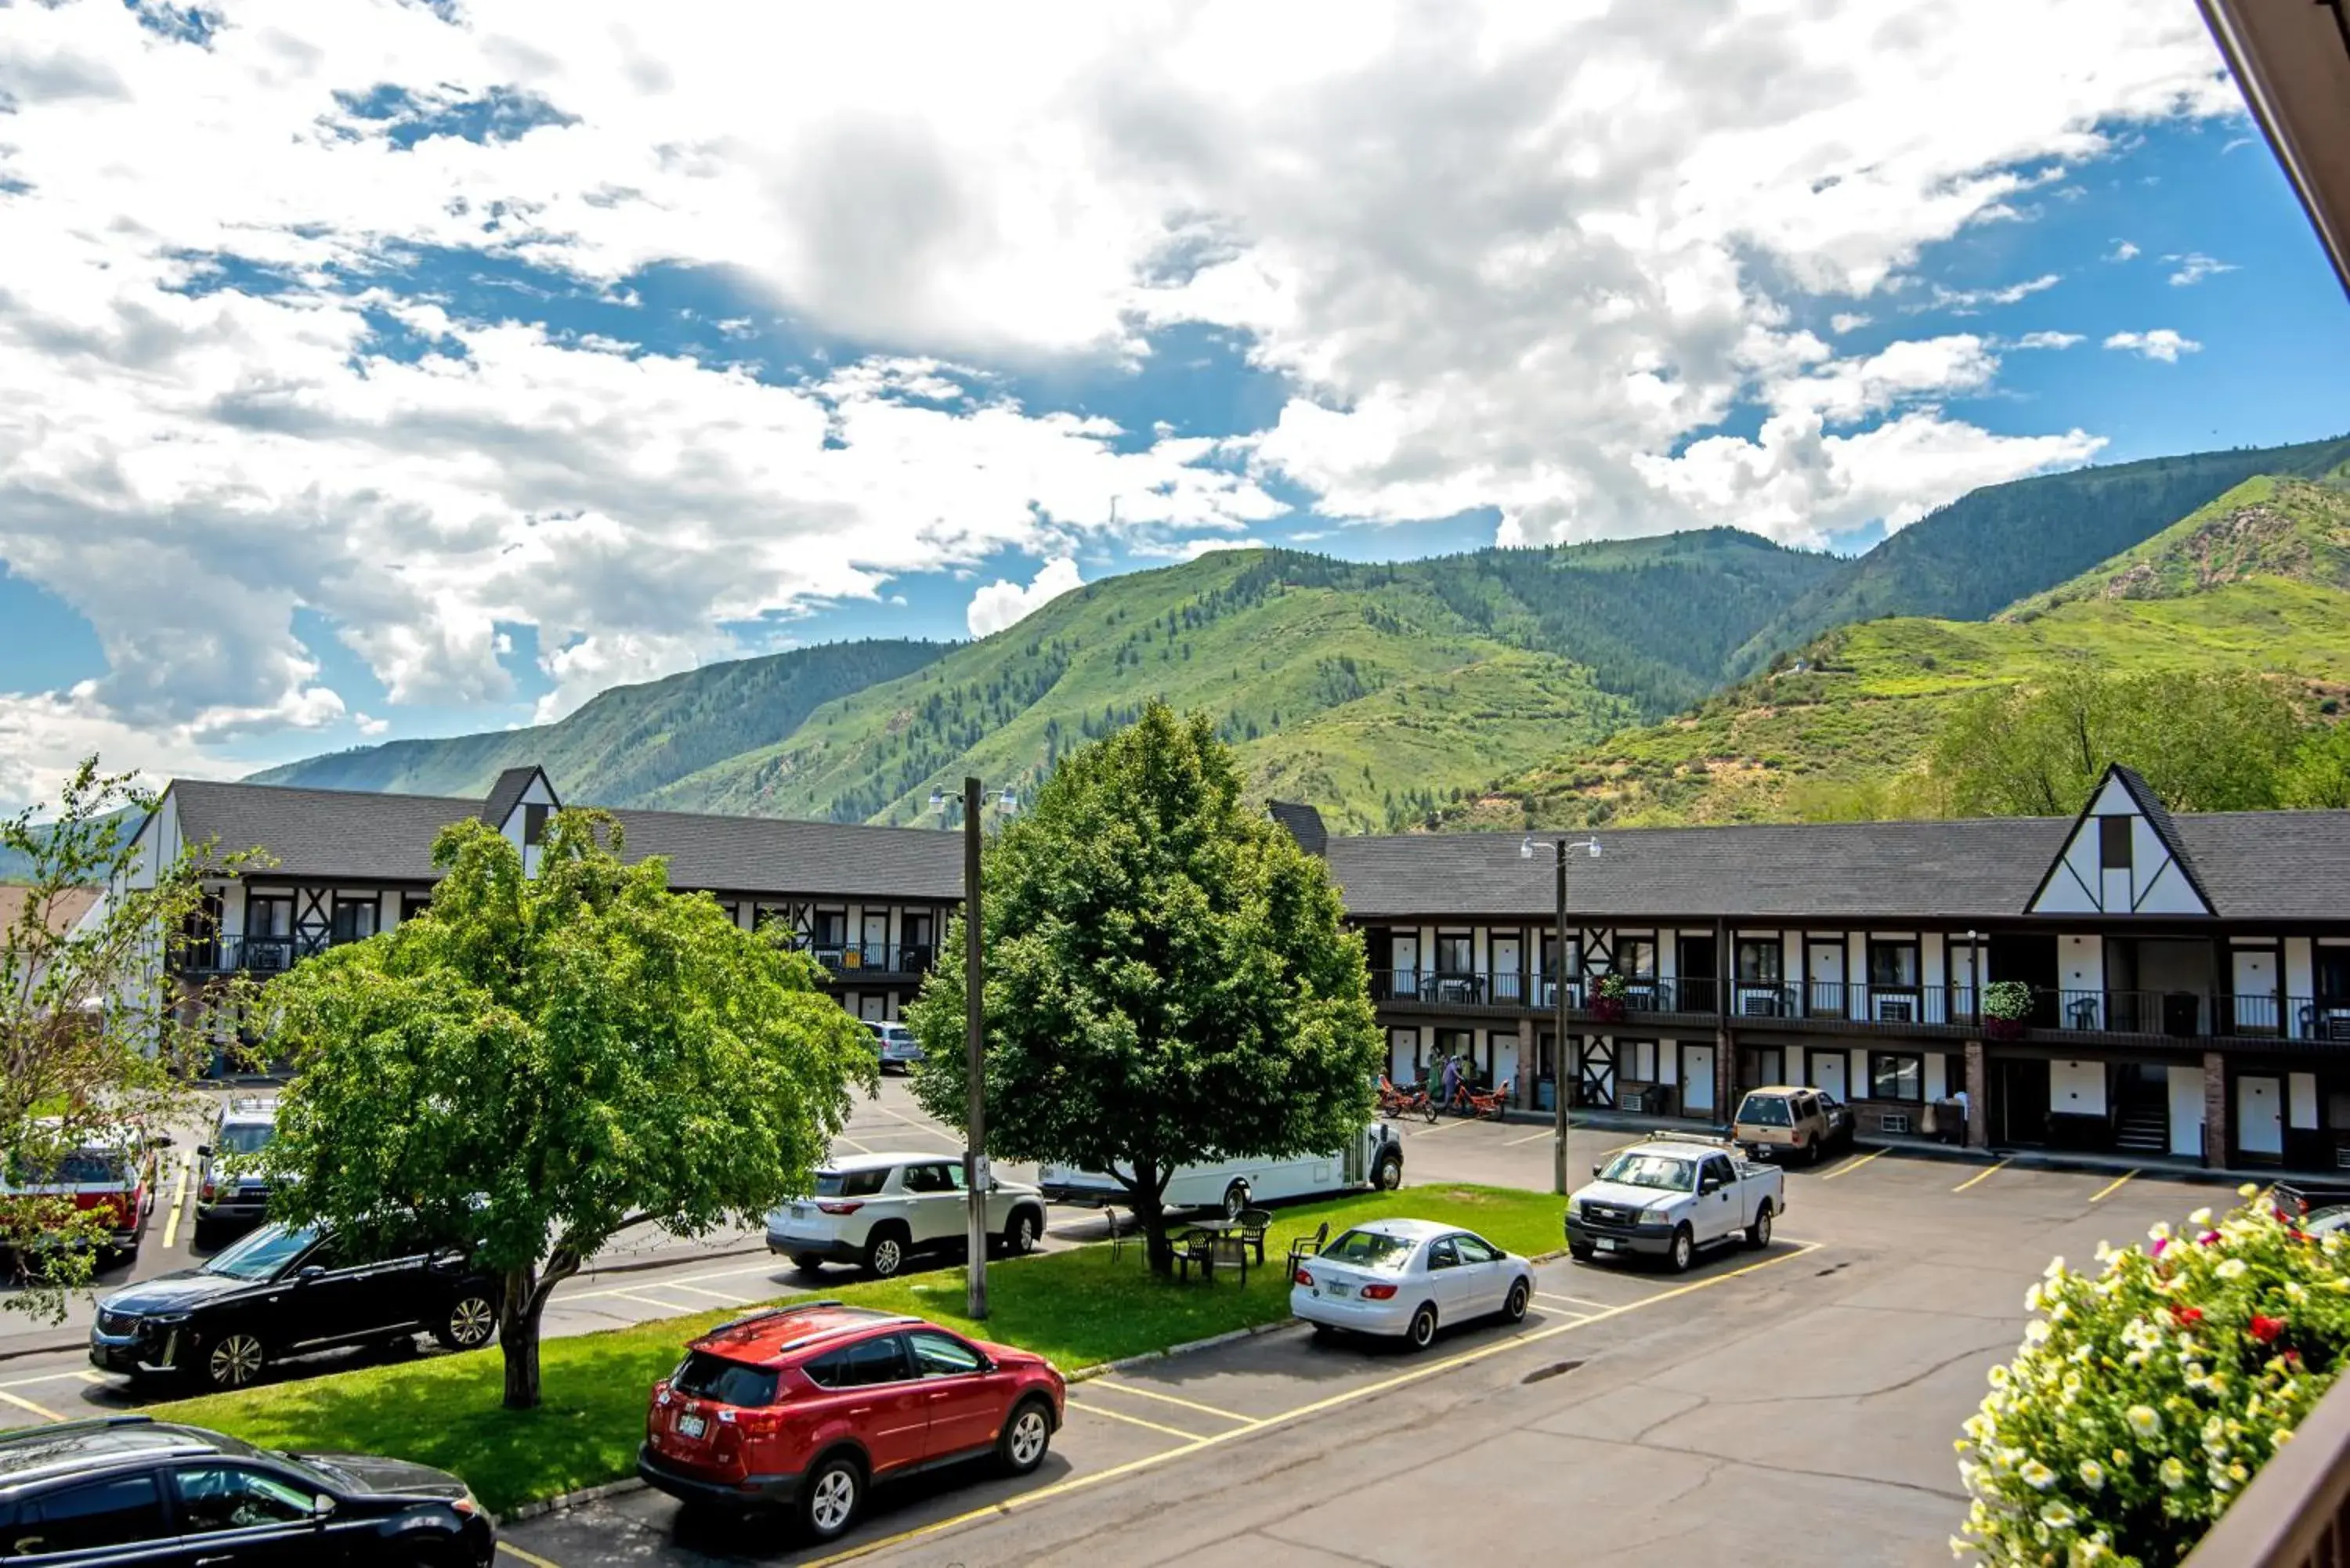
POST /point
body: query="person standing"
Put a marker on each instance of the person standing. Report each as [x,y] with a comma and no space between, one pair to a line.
[1452,1081]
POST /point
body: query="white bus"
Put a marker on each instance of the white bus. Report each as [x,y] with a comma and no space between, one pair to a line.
[1374,1160]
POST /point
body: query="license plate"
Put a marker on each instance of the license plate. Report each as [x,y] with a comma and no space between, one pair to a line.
[1604,1244]
[1339,1289]
[689,1425]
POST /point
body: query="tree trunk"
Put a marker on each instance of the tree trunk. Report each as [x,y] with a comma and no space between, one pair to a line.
[1150,1213]
[519,1309]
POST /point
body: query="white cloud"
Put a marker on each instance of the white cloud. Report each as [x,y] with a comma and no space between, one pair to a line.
[2162,344]
[2122,251]
[368,725]
[1845,321]
[2048,340]
[1002,604]
[2194,267]
[1966,301]
[43,734]
[194,469]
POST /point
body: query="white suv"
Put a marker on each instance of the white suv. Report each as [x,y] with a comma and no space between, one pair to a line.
[878,1209]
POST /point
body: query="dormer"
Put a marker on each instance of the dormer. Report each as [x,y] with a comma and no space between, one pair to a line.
[518,805]
[2124,858]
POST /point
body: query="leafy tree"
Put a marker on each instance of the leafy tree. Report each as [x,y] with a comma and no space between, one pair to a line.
[1167,981]
[2205,743]
[2319,772]
[95,1040]
[539,1062]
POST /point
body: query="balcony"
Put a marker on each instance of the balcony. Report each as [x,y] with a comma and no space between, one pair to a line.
[213,957]
[876,959]
[2296,1512]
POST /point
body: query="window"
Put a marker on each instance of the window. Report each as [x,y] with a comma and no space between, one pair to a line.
[1892,965]
[1369,1249]
[117,1512]
[2114,843]
[881,1359]
[1476,1248]
[850,1183]
[354,920]
[1764,1111]
[1896,1077]
[534,824]
[928,1177]
[1661,1173]
[269,916]
[1760,962]
[230,1496]
[414,904]
[1636,958]
[831,928]
[1454,953]
[941,1355]
[1441,1254]
[2333,973]
[1717,1173]
[1550,955]
[702,1375]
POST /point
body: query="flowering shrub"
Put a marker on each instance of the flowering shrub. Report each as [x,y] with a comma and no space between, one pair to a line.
[2145,1398]
[2008,1000]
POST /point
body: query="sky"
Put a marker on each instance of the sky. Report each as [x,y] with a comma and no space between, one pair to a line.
[390,369]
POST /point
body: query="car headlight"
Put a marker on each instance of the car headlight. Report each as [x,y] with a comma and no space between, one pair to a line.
[1656,1216]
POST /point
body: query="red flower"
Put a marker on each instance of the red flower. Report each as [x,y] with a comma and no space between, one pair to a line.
[2186,1317]
[2265,1329]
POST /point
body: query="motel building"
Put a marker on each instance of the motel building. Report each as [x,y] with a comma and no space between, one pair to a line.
[2185,980]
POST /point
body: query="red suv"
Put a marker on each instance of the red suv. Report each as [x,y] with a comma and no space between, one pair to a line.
[806,1406]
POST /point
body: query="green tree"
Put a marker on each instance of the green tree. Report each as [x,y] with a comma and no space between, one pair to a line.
[540,1062]
[97,1041]
[2204,741]
[2319,772]
[1167,981]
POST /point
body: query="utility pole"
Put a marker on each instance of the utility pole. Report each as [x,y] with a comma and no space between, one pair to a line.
[1561,1088]
[974,1162]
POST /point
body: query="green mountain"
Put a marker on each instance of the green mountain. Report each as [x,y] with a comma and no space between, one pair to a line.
[1372,690]
[1995,545]
[624,744]
[2257,579]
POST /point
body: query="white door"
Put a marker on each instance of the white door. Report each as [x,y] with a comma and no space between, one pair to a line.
[1505,1061]
[1717,1212]
[1697,1079]
[873,1007]
[2260,1117]
[2256,991]
[1453,1278]
[1507,986]
[1407,966]
[1827,1073]
[1403,1051]
[1826,999]
[1963,982]
[875,941]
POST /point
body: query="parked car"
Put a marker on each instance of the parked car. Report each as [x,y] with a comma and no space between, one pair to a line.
[805,1407]
[879,1210]
[283,1292]
[231,1194]
[128,1492]
[115,1173]
[1672,1196]
[1373,1159]
[1790,1120]
[1404,1278]
[897,1043]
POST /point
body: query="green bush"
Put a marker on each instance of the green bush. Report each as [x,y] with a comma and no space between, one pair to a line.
[2144,1398]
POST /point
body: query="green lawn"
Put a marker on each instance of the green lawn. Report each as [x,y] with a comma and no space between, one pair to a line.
[1076,1307]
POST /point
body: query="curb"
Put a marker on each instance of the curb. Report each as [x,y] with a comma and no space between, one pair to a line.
[643,1265]
[62,1349]
[569,1500]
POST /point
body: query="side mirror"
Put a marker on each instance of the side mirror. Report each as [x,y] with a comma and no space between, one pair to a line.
[309,1272]
[321,1506]
[1594,1170]
[204,1151]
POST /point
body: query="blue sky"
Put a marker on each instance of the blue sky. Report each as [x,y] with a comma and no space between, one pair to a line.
[513,365]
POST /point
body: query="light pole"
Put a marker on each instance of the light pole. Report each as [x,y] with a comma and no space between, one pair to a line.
[1560,1086]
[975,1176]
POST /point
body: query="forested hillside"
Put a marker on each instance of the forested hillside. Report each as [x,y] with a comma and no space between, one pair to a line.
[624,744]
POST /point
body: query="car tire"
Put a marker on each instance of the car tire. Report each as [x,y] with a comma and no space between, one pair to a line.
[1683,1252]
[1387,1174]
[806,1262]
[885,1252]
[233,1361]
[1026,1437]
[1521,1293]
[1813,1151]
[832,1496]
[1758,1235]
[1020,1234]
[1421,1332]
[1324,1334]
[1582,1251]
[471,1323]
[202,1234]
[1236,1197]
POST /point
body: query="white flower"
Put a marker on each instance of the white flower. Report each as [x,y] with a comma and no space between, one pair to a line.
[2143,1420]
[2248,1189]
[2055,1267]
[2200,1219]
[2057,1516]
[2037,1476]
[2159,1231]
[1999,1377]
[2092,1475]
[2233,1269]
[2173,1475]
[2031,1298]
[2036,1332]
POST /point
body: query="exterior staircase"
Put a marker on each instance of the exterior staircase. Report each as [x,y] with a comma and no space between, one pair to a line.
[2143,1129]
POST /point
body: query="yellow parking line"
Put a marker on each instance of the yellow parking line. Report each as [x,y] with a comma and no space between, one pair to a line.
[532,1558]
[1849,1166]
[1532,1137]
[1135,1421]
[1171,1399]
[2111,1186]
[172,1221]
[1978,1176]
[1427,1370]
[43,1411]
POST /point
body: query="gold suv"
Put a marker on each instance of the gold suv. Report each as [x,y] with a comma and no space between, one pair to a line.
[1785,1119]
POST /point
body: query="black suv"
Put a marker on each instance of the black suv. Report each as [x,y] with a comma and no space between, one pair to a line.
[284,1290]
[231,1195]
[127,1491]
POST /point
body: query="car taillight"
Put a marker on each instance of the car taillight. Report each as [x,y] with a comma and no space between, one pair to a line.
[1799,1140]
[1379,1292]
[205,1191]
[1303,1278]
[839,1205]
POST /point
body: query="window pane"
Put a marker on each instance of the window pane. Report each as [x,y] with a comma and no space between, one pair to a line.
[938,1355]
[707,1376]
[117,1512]
[880,1360]
[222,1497]
[2114,843]
[1892,963]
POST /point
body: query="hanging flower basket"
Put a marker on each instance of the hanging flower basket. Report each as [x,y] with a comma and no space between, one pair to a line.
[1610,998]
[2007,1009]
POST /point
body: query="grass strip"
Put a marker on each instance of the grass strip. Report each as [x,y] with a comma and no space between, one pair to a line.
[1076,1307]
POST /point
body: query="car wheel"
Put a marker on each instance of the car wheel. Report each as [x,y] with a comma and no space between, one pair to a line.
[1026,1437]
[234,1361]
[1324,1334]
[1582,1251]
[1758,1235]
[1020,1235]
[1388,1173]
[1236,1197]
[1514,1309]
[1422,1332]
[885,1253]
[1684,1251]
[472,1320]
[1811,1154]
[202,1235]
[834,1488]
[806,1262]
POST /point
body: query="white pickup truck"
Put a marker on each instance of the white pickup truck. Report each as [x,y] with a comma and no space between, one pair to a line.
[1668,1196]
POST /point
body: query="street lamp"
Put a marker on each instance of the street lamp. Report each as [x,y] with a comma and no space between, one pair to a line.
[975,1177]
[1559,1083]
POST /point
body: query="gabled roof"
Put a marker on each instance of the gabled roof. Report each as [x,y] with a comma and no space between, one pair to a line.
[2158,816]
[69,906]
[2147,807]
[1303,823]
[507,792]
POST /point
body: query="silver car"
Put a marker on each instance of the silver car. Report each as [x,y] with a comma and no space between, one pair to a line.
[1402,1278]
[898,1045]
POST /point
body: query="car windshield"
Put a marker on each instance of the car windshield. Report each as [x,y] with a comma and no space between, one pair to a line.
[1764,1111]
[83,1167]
[262,1255]
[703,1376]
[1370,1249]
[250,1139]
[1659,1171]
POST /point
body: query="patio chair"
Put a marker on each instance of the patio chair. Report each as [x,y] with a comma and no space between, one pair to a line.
[1199,1247]
[1254,1223]
[1301,1248]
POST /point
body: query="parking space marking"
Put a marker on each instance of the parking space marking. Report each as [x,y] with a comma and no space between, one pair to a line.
[931,1128]
[172,1221]
[1849,1166]
[1573,1301]
[1170,1399]
[1532,1137]
[852,1142]
[88,1376]
[519,1556]
[671,1307]
[1315,1408]
[1978,1176]
[50,1378]
[767,1268]
[43,1411]
[2113,1186]
[698,1291]
[1194,1437]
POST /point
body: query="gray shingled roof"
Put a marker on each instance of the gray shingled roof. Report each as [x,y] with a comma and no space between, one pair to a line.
[1303,823]
[349,833]
[2271,865]
[507,792]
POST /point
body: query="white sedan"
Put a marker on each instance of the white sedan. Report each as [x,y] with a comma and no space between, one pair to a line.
[1403,1277]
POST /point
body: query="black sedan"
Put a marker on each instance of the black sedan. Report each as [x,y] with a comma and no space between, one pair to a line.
[287,1291]
[131,1492]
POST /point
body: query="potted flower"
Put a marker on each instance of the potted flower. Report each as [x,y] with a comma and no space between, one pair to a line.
[1609,995]
[2006,1005]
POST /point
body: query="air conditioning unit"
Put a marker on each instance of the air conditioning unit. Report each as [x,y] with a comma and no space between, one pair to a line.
[1759,1004]
[1893,1122]
[1897,1009]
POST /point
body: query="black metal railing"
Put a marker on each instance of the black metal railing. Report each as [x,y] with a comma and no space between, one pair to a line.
[221,955]
[872,958]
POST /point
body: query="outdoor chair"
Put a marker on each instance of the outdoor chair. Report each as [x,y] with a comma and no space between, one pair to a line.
[1302,1248]
[1254,1223]
[1195,1247]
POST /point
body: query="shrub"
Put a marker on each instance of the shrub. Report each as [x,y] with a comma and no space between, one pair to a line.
[2143,1399]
